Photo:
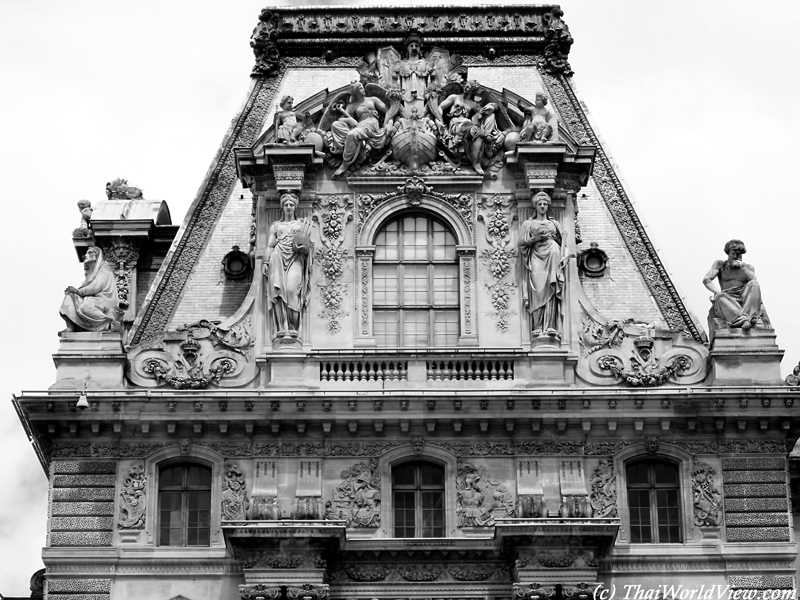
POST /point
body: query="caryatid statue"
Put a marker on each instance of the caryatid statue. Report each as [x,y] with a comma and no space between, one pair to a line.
[287,268]
[543,248]
[94,306]
[737,300]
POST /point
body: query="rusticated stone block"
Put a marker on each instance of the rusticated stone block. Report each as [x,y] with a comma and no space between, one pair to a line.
[80,538]
[71,586]
[82,509]
[81,523]
[62,481]
[82,495]
[754,476]
[754,464]
[766,490]
[761,582]
[757,534]
[83,467]
[756,519]
[756,505]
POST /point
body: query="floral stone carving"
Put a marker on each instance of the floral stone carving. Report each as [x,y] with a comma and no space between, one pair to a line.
[122,256]
[262,41]
[495,212]
[357,500]
[479,498]
[707,498]
[332,214]
[133,500]
[603,496]
[234,494]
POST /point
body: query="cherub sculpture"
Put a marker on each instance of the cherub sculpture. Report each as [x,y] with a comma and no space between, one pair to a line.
[287,128]
[82,231]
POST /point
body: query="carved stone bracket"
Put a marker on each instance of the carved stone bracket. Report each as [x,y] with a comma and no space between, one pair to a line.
[287,164]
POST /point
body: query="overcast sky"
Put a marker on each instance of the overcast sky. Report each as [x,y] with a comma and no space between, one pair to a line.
[697,101]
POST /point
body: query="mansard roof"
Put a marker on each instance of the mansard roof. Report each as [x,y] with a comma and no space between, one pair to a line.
[336,38]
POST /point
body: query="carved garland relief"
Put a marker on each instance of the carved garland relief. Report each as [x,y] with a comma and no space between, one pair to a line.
[332,213]
[495,212]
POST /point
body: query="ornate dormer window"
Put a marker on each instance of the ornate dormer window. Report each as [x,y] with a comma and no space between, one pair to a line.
[415,283]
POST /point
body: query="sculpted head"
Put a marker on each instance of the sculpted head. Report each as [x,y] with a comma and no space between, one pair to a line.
[92,255]
[735,246]
[540,97]
[414,45]
[541,203]
[289,202]
[286,102]
[356,90]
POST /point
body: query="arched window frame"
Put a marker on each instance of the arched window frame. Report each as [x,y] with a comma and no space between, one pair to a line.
[682,461]
[461,224]
[171,456]
[400,456]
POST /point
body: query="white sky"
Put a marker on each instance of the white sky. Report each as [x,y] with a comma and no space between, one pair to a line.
[697,101]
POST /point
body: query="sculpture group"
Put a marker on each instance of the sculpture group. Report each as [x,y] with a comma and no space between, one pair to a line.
[415,110]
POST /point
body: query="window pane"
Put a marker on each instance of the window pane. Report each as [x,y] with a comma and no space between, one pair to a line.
[415,285]
[171,477]
[639,509]
[432,475]
[668,516]
[415,328]
[386,243]
[404,511]
[637,474]
[384,285]
[445,285]
[385,326]
[445,328]
[432,514]
[666,474]
[444,244]
[403,475]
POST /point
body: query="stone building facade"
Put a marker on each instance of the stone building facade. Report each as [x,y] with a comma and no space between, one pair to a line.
[384,356]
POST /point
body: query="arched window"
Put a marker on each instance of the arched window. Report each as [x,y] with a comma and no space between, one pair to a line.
[418,500]
[415,284]
[654,502]
[184,505]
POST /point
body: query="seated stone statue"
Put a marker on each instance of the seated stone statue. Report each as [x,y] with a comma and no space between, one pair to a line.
[540,121]
[737,300]
[93,306]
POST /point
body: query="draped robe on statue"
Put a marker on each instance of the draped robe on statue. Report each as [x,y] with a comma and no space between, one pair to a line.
[366,136]
[289,274]
[93,309]
[543,276]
